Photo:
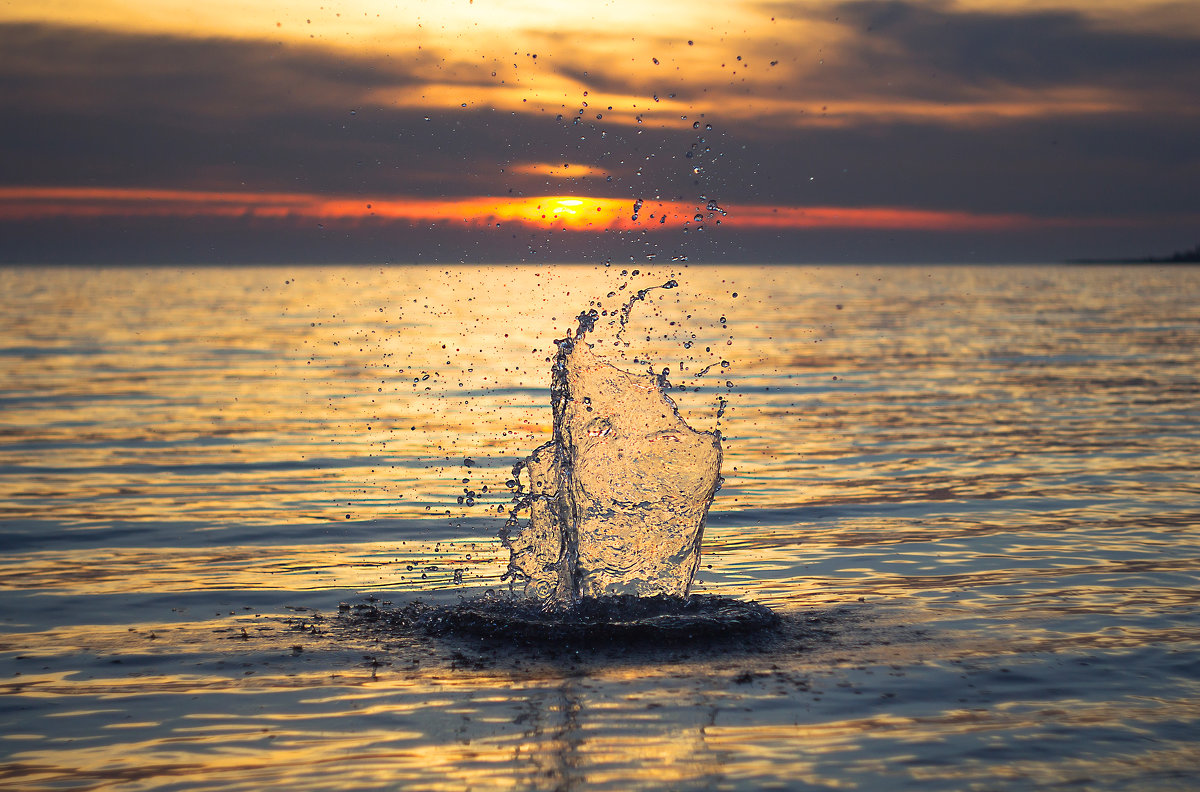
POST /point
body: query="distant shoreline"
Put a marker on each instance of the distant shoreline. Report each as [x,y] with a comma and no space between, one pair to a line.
[1179,257]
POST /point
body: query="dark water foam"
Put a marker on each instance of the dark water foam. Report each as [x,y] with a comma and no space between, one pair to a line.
[585,623]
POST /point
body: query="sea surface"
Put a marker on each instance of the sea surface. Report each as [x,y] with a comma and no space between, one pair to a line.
[972,493]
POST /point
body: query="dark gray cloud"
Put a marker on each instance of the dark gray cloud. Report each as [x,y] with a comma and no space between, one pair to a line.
[65,68]
[1035,49]
[183,241]
[936,51]
[1071,167]
[93,106]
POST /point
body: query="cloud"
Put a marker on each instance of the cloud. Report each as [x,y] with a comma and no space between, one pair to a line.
[93,107]
[86,107]
[972,50]
[885,60]
[1045,120]
[88,70]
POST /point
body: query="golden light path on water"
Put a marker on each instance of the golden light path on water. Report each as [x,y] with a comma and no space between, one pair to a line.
[971,491]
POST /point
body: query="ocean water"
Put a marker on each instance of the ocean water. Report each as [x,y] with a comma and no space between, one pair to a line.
[971,493]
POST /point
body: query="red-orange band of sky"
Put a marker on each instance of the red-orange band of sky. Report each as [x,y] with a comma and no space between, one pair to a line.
[565,212]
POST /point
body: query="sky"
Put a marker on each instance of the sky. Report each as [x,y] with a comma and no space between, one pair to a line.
[373,131]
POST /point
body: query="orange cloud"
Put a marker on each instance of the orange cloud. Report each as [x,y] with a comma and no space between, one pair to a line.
[564,212]
[784,217]
[564,170]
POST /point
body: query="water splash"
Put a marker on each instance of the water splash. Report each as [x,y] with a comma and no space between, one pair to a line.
[619,497]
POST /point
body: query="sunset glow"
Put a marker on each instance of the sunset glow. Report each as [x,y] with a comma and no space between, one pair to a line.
[568,212]
[564,212]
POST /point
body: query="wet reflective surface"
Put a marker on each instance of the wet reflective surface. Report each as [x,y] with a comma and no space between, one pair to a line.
[971,493]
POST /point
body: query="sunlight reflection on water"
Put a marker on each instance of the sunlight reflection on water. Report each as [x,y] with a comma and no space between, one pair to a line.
[971,490]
